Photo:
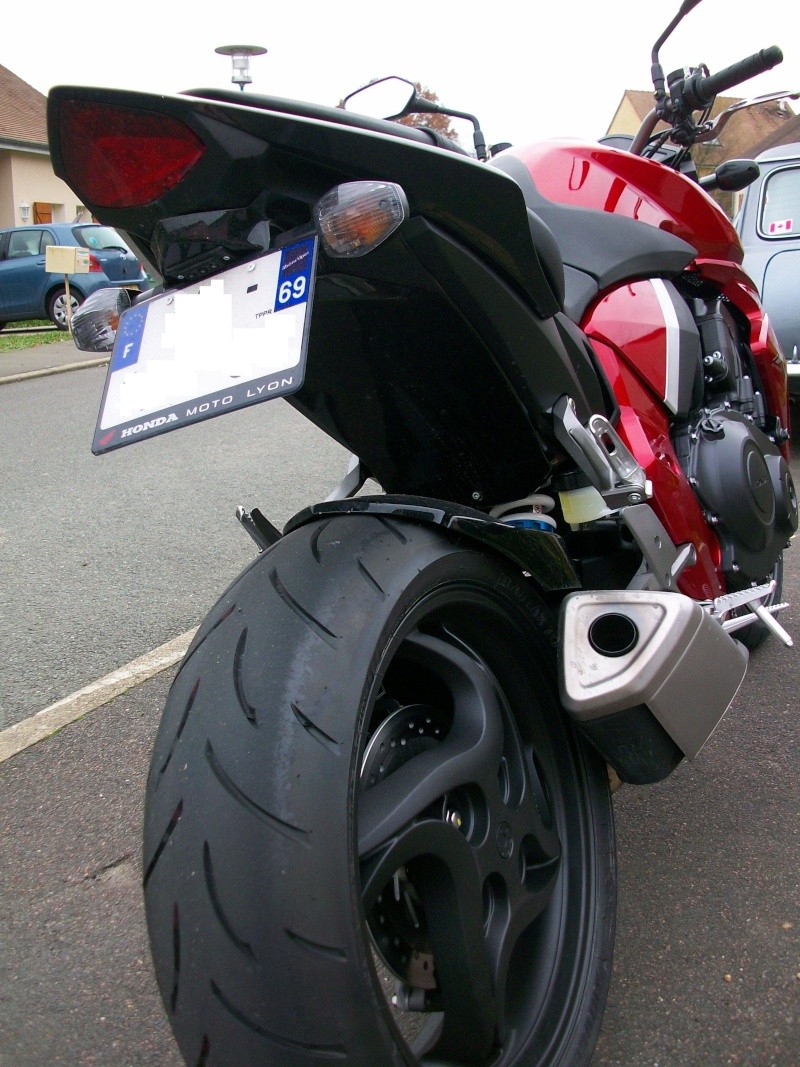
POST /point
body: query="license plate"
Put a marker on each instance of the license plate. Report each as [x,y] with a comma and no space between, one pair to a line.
[221,344]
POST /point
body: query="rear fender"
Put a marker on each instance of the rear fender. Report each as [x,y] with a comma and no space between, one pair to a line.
[540,555]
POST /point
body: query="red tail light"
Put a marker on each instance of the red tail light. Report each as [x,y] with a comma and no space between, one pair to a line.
[121,157]
[94,264]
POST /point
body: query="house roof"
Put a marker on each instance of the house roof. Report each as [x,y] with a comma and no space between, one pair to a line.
[789,133]
[749,131]
[23,111]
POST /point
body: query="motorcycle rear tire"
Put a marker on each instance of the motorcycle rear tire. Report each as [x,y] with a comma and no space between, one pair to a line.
[373,680]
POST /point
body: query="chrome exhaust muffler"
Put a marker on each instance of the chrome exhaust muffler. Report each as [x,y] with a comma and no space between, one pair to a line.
[639,649]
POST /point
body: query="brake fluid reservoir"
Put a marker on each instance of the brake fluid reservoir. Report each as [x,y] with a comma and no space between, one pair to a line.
[580,502]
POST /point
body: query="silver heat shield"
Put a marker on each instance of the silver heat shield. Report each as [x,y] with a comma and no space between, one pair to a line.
[626,649]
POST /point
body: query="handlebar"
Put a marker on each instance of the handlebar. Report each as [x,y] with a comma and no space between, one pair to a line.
[699,92]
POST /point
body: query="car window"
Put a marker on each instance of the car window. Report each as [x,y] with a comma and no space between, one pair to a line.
[22,243]
[780,205]
[98,237]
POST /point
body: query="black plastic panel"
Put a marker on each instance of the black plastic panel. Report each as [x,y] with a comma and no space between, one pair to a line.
[271,149]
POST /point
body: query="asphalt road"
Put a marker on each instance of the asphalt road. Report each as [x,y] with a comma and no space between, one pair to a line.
[97,569]
[105,558]
[708,946]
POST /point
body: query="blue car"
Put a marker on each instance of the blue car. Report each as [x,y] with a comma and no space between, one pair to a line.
[28,291]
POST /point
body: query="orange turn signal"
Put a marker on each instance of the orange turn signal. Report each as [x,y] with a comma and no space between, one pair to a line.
[356,217]
[95,323]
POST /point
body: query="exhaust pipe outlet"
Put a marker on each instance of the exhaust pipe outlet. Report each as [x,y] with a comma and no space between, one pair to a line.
[613,634]
[634,656]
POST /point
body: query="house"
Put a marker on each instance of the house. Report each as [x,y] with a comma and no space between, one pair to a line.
[749,132]
[29,190]
[788,134]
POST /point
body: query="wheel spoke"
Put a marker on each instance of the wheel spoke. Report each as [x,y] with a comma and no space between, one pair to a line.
[455,924]
[473,745]
[429,837]
[507,925]
[535,818]
[442,867]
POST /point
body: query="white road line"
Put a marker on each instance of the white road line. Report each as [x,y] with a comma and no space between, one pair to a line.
[45,372]
[45,723]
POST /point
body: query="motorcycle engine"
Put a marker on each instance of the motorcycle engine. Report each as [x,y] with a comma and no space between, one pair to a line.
[740,476]
[745,486]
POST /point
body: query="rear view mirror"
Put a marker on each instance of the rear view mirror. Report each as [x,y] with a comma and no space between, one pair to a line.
[731,176]
[387,98]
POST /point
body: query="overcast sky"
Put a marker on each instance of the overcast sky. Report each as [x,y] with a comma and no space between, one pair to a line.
[527,69]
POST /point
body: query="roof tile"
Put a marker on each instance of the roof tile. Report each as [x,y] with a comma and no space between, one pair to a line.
[23,110]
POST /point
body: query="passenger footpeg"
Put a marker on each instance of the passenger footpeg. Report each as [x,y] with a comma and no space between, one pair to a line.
[752,599]
[602,456]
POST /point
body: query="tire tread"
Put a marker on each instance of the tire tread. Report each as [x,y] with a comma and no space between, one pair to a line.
[243,774]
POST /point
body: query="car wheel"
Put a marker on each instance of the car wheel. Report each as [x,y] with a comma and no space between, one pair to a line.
[57,306]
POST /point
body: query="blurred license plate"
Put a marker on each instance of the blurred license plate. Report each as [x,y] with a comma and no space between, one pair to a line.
[224,343]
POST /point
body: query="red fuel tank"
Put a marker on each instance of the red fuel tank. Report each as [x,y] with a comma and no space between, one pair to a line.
[608,179]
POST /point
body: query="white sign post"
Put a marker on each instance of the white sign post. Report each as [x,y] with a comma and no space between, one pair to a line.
[66,260]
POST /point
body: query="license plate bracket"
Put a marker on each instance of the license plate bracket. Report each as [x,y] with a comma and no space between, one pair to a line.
[236,339]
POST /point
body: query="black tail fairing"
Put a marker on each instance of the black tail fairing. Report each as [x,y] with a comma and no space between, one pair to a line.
[435,373]
[436,357]
[296,152]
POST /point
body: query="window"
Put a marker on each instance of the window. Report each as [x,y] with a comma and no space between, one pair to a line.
[22,243]
[98,237]
[780,206]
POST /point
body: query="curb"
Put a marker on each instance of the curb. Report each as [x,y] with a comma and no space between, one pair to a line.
[45,371]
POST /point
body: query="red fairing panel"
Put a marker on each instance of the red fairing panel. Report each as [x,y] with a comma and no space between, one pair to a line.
[639,319]
[607,179]
[630,335]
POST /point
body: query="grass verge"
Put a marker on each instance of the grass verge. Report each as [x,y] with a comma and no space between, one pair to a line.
[14,342]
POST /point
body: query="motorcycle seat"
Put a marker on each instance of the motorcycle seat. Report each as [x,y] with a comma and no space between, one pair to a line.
[304,109]
[598,249]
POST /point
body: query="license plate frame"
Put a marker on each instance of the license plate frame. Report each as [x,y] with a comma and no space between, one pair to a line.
[229,341]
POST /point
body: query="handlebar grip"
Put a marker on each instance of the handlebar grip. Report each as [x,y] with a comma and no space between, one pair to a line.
[699,92]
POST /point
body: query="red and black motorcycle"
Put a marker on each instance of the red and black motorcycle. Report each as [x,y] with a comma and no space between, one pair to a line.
[379,825]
